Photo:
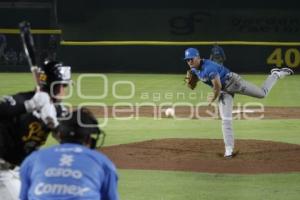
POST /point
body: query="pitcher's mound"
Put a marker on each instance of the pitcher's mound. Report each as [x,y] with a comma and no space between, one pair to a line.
[204,155]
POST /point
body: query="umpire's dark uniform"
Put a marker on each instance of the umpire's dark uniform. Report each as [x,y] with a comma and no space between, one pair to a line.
[20,132]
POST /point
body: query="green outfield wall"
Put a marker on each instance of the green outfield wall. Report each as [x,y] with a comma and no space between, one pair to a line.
[169,58]
[99,36]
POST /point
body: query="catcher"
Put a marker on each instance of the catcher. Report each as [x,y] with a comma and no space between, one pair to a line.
[225,84]
[24,121]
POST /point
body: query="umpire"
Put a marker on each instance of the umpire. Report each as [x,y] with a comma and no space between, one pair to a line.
[26,119]
[72,169]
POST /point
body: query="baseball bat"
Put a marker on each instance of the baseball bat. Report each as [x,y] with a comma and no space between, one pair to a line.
[29,49]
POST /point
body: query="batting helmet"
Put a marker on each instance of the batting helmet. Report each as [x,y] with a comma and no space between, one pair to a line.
[217,54]
[54,72]
[191,53]
[81,128]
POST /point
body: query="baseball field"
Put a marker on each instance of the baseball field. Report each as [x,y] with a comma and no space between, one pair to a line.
[180,157]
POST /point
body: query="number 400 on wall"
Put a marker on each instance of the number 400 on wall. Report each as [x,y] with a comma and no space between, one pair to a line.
[289,57]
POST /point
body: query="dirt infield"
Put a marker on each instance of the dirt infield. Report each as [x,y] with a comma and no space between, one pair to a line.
[203,155]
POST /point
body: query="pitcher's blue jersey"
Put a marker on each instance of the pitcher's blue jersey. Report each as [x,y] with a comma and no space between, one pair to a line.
[68,171]
[209,70]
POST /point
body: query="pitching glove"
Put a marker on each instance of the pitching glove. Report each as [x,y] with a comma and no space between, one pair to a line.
[37,101]
[191,79]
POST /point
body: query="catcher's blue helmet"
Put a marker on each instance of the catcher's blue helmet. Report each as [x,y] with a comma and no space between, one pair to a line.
[191,53]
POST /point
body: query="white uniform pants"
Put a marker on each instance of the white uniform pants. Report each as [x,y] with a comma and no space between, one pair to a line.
[9,184]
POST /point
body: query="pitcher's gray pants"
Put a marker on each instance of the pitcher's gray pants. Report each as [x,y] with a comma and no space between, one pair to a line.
[235,84]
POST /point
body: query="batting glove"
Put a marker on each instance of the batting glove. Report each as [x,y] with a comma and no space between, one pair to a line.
[48,115]
[37,101]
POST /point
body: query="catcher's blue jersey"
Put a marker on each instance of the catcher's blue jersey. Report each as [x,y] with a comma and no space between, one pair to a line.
[209,70]
[68,171]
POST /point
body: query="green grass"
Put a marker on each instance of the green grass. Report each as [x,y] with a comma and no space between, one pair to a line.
[164,185]
[170,185]
[152,88]
[160,88]
[147,129]
[121,132]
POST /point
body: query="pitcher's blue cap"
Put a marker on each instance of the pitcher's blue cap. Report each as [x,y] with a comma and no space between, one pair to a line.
[191,53]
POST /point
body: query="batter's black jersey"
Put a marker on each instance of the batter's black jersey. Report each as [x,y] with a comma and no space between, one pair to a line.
[21,132]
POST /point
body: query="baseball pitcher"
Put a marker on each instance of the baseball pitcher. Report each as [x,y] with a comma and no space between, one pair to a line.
[26,120]
[225,84]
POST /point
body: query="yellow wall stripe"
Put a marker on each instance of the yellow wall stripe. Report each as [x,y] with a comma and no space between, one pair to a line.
[34,31]
[148,43]
[175,43]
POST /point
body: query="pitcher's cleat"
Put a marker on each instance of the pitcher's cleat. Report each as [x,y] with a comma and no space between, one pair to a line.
[282,72]
[232,155]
